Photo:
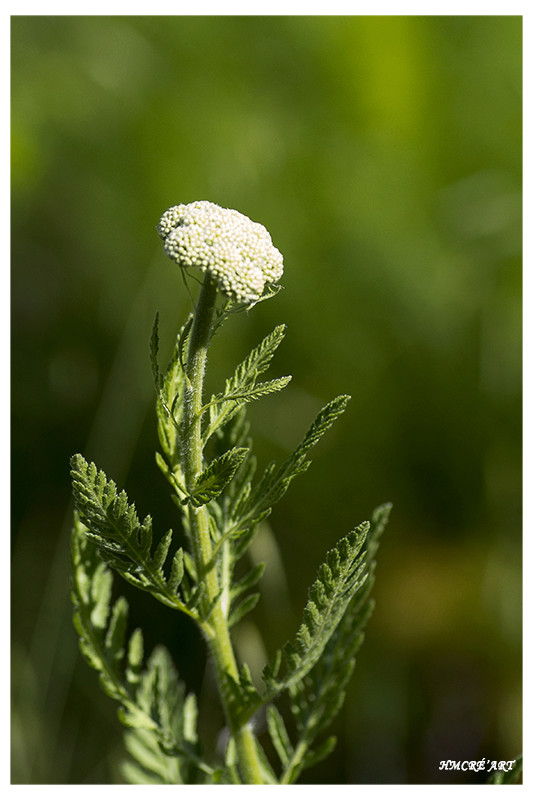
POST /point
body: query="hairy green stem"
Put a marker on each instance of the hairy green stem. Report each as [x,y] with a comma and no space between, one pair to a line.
[192,464]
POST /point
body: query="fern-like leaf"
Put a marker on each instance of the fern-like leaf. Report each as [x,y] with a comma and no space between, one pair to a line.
[214,479]
[257,503]
[124,543]
[233,401]
[147,764]
[339,578]
[240,587]
[319,695]
[154,353]
[101,628]
[171,389]
[257,361]
[152,700]
[242,387]
[243,608]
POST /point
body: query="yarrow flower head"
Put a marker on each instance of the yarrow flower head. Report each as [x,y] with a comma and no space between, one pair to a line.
[236,253]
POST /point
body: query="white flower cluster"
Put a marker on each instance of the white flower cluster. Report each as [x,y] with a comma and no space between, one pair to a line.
[235,252]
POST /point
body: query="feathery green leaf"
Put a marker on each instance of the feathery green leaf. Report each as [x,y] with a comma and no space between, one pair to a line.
[323,750]
[125,544]
[154,352]
[101,628]
[317,697]
[214,479]
[249,393]
[147,763]
[172,386]
[339,578]
[243,608]
[151,700]
[258,361]
[275,481]
[241,586]
[242,387]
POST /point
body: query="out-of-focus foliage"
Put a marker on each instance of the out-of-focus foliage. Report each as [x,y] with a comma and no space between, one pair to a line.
[383,154]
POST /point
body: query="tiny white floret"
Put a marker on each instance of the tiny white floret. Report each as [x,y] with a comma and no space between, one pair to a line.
[235,252]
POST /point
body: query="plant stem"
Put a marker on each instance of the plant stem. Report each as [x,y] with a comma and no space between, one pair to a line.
[219,643]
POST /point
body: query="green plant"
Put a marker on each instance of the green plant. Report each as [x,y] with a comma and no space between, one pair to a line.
[206,457]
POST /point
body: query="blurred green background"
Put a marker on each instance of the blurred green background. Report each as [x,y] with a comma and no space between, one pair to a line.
[383,154]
